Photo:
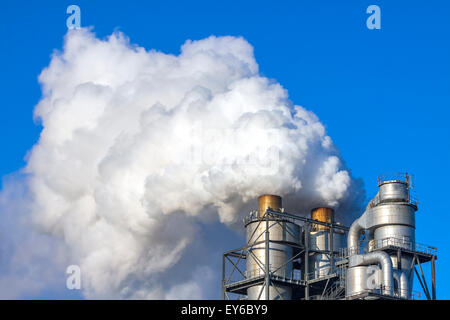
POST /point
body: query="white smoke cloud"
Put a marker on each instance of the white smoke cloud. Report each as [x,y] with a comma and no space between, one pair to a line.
[138,147]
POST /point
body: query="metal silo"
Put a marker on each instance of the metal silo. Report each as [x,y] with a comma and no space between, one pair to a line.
[321,240]
[271,256]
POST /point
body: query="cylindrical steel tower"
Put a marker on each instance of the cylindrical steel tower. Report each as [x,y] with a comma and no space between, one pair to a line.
[276,252]
[321,240]
[390,222]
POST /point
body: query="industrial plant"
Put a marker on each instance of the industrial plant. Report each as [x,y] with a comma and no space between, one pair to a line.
[293,256]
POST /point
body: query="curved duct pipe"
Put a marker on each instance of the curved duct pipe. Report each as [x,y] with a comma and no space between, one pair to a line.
[403,283]
[381,258]
[358,226]
[354,235]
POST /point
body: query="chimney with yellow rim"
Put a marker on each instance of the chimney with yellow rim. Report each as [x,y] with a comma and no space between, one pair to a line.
[323,215]
[268,201]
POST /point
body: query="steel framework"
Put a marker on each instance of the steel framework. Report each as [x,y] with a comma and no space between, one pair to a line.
[236,281]
[305,285]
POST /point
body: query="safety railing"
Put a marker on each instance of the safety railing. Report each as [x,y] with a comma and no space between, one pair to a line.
[322,273]
[379,291]
[396,176]
[402,293]
[293,274]
[405,243]
[255,273]
[404,177]
[425,249]
[254,216]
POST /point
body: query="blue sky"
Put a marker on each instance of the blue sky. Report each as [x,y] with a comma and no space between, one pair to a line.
[384,95]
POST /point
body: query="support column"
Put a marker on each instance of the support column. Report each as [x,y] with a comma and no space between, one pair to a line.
[223,277]
[427,292]
[331,242]
[306,260]
[433,279]
[267,259]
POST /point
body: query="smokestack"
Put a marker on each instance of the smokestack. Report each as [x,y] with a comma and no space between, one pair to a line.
[322,215]
[273,257]
[268,201]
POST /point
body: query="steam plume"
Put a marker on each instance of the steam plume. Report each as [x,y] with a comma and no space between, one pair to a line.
[138,147]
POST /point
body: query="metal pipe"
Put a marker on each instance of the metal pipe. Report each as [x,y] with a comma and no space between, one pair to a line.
[267,260]
[354,234]
[381,258]
[403,283]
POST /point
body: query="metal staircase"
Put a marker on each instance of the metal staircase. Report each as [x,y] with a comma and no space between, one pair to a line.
[335,292]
